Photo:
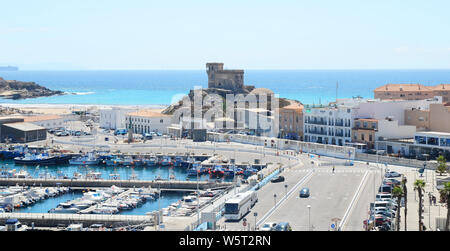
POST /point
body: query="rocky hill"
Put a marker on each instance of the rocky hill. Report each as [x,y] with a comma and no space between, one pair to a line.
[12,89]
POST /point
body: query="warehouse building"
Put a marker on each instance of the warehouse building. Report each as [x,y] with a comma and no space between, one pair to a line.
[22,133]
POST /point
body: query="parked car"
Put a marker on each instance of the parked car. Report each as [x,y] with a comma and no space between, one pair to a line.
[392,182]
[383,196]
[268,226]
[304,193]
[385,189]
[283,226]
[278,179]
[392,174]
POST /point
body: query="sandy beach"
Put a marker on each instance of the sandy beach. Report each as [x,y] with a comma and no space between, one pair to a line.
[63,109]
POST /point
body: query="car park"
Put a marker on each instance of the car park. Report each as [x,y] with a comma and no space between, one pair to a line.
[268,226]
[304,193]
[277,179]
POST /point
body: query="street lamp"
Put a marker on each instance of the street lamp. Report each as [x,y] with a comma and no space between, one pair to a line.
[275,199]
[309,217]
[255,214]
[285,188]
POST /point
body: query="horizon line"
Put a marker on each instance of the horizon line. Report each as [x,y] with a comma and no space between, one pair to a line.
[246,69]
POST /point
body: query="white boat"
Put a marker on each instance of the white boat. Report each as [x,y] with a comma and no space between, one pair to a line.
[65,208]
[88,159]
[94,176]
[22,174]
[105,210]
[94,196]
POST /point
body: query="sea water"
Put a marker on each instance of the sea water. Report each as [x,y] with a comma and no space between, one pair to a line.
[157,87]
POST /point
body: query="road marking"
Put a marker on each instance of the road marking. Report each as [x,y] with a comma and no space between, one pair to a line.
[272,210]
[352,203]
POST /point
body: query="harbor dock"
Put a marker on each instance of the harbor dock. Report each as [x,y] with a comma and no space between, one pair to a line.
[172,185]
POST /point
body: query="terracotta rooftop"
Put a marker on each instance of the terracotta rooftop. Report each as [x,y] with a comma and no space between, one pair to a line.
[403,87]
[147,114]
[412,87]
[441,87]
[294,106]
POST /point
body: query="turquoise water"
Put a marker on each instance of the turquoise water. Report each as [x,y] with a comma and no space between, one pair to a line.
[143,173]
[162,87]
[44,206]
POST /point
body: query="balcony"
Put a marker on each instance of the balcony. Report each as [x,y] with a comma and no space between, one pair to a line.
[317,122]
[317,132]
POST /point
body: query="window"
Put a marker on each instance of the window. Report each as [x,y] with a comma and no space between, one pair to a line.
[366,124]
[362,137]
[370,137]
[420,140]
[432,141]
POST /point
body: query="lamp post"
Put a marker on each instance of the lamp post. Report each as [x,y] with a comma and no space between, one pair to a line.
[255,214]
[309,217]
[275,199]
[285,188]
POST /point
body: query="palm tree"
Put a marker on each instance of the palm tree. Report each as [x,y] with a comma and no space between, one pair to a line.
[397,192]
[445,197]
[405,197]
[419,185]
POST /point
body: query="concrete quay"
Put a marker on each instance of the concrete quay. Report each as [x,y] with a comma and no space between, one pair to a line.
[53,220]
[163,185]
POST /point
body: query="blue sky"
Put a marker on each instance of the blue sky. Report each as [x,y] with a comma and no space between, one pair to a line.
[248,34]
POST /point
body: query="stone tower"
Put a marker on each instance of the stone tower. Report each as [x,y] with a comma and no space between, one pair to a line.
[232,80]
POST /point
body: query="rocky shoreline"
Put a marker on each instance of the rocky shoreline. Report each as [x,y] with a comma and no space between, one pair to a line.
[12,89]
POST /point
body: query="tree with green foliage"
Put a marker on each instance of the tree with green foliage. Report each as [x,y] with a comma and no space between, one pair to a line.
[419,186]
[397,193]
[442,165]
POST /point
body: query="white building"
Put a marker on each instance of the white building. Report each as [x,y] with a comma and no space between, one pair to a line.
[46,121]
[393,109]
[146,121]
[328,125]
[390,129]
[114,118]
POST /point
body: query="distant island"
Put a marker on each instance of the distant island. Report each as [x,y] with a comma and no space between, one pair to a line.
[12,89]
[9,68]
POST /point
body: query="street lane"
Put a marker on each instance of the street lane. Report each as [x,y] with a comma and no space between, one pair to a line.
[330,197]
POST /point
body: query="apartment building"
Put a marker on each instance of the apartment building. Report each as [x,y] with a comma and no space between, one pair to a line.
[328,125]
[436,118]
[412,92]
[291,121]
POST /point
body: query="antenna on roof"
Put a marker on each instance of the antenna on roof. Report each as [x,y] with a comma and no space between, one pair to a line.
[337,85]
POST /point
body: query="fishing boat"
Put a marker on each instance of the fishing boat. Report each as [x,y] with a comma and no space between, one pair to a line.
[13,152]
[218,171]
[178,161]
[88,159]
[152,161]
[188,162]
[250,171]
[114,161]
[165,161]
[33,159]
